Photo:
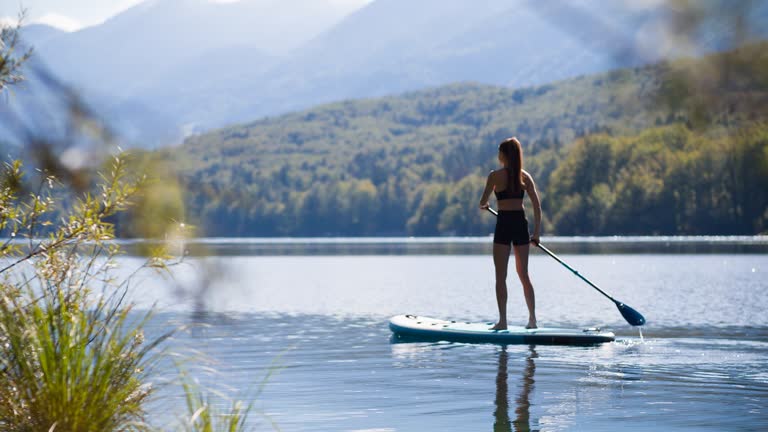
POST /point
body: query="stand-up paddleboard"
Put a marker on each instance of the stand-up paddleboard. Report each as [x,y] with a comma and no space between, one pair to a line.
[424,328]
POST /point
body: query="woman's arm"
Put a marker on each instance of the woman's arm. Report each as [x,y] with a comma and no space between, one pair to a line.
[486,192]
[530,187]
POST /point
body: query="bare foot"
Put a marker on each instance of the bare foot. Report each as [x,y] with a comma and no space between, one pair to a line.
[531,325]
[499,326]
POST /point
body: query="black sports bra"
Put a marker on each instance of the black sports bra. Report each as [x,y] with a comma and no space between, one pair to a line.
[508,194]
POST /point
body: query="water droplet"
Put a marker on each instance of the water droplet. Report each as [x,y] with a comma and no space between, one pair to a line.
[754,269]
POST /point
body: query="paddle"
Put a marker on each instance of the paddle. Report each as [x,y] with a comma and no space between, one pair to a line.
[632,316]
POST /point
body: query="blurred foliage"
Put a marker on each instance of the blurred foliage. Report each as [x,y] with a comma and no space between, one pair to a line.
[415,164]
[12,55]
[73,356]
[203,415]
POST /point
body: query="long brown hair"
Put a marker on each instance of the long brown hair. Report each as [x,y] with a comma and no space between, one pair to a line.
[513,151]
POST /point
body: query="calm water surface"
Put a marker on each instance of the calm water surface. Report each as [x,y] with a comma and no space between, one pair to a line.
[318,325]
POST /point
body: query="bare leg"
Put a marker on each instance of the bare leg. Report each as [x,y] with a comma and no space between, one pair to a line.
[500,262]
[521,263]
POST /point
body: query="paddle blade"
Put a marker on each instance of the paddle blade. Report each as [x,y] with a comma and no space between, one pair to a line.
[632,316]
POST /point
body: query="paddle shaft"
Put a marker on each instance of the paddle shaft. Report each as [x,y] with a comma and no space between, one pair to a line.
[576,272]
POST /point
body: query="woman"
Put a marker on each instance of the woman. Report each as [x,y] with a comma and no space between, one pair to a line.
[510,183]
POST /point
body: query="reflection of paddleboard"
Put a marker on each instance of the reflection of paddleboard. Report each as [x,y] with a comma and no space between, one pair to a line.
[423,328]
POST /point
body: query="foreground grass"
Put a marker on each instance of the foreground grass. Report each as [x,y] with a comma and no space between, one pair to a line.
[73,356]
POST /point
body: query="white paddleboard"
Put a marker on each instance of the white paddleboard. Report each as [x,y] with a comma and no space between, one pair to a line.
[412,327]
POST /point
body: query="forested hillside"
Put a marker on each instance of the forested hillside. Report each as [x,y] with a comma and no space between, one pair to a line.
[616,153]
[665,180]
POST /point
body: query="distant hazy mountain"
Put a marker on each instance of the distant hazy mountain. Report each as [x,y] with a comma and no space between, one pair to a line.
[392,46]
[39,34]
[396,45]
[198,64]
[156,55]
[134,48]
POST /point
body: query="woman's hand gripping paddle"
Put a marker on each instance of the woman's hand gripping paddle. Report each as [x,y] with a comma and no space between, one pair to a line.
[632,316]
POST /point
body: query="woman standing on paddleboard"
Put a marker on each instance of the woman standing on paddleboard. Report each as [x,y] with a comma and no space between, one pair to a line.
[510,183]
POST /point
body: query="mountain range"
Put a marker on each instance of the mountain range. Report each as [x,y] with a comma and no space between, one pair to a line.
[165,69]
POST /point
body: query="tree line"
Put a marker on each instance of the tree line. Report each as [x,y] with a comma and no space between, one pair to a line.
[664,180]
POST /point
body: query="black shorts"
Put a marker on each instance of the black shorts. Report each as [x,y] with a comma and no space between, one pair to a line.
[511,227]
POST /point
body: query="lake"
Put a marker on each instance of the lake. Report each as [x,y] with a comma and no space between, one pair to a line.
[312,314]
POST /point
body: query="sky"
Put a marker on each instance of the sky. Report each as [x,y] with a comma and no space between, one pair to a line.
[72,15]
[69,15]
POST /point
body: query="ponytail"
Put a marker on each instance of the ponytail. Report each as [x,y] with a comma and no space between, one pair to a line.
[513,151]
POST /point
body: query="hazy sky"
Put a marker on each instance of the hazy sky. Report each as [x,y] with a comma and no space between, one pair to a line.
[66,14]
[72,15]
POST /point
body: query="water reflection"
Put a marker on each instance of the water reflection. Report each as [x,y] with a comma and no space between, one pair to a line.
[522,421]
